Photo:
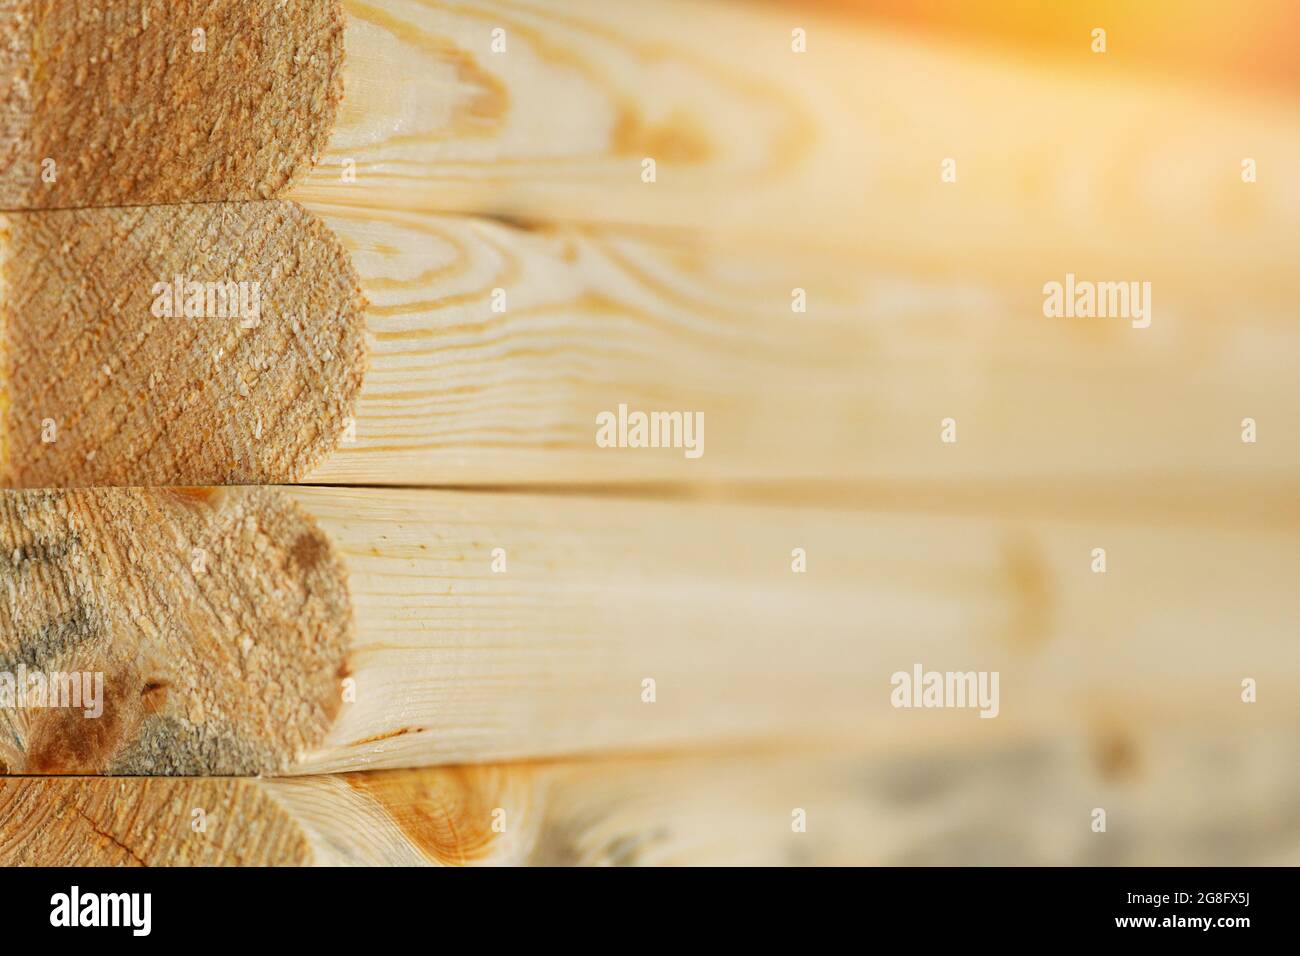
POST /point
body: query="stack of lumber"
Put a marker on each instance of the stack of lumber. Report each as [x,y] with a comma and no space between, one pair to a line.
[364,587]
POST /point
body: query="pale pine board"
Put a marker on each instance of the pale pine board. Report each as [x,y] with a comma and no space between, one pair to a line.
[856,387]
[549,657]
[930,308]
[1092,169]
[1170,799]
[372,631]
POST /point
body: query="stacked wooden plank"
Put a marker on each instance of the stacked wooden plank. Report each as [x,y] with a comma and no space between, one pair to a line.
[324,333]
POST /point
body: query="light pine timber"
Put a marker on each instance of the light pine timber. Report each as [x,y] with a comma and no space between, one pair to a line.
[406,348]
[1092,170]
[1171,799]
[335,629]
[856,387]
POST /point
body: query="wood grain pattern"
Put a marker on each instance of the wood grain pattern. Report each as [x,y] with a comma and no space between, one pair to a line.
[855,388]
[1089,169]
[494,348]
[930,307]
[463,653]
[549,657]
[1169,800]
[1093,170]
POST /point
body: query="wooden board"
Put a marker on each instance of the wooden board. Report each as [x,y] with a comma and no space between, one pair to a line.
[494,350]
[1168,799]
[1092,169]
[841,145]
[334,629]
[856,387]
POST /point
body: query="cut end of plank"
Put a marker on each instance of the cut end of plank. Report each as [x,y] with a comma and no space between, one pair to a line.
[147,102]
[219,343]
[187,631]
[62,821]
